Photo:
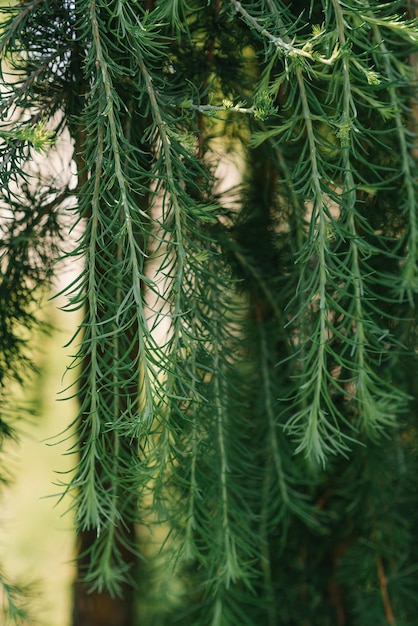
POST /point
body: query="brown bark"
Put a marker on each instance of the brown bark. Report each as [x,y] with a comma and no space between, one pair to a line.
[100,608]
[383,584]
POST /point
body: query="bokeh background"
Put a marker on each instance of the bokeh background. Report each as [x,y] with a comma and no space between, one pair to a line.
[36,536]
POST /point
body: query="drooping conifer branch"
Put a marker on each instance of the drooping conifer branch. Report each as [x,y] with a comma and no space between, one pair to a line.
[240,354]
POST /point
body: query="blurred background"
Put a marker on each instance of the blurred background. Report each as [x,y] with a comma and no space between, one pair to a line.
[36,536]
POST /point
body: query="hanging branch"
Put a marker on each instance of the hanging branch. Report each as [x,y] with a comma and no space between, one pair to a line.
[282,302]
[283,44]
[384,591]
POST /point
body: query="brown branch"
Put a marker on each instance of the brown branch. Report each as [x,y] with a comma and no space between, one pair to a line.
[413,60]
[383,584]
[201,123]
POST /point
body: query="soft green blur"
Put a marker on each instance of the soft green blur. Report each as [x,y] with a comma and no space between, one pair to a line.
[5,3]
[36,539]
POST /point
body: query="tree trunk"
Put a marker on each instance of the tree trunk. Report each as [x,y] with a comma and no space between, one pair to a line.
[100,608]
[119,389]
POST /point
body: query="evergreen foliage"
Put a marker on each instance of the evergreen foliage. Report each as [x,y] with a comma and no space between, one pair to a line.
[246,359]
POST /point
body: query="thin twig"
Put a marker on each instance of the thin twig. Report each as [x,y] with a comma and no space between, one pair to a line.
[288,48]
[383,584]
